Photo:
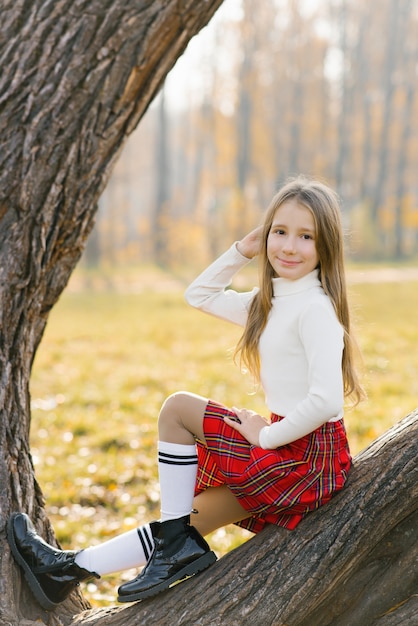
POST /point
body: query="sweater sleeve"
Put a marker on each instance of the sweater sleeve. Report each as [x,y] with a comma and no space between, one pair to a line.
[209,291]
[322,337]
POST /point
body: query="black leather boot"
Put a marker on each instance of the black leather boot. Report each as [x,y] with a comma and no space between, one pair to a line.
[179,552]
[52,574]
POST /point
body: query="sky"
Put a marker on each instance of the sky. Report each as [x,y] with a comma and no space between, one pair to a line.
[189,77]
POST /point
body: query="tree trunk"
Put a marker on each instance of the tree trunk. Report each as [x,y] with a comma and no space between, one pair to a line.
[388,93]
[408,60]
[351,562]
[77,76]
[161,221]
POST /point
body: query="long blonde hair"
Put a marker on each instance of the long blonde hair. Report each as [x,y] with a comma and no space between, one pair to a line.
[324,206]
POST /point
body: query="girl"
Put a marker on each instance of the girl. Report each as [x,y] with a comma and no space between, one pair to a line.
[233,465]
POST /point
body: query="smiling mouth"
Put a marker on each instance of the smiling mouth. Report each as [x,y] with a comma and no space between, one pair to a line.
[290,263]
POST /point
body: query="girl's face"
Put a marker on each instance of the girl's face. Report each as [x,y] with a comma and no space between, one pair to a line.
[291,247]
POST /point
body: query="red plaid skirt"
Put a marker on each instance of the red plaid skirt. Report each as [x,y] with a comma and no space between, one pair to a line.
[275,486]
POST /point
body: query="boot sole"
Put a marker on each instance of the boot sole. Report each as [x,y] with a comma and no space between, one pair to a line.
[193,568]
[31,579]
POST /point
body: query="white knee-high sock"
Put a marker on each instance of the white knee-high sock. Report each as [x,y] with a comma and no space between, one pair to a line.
[177,465]
[131,549]
[177,468]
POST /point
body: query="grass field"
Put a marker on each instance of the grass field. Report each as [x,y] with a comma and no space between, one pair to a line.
[108,360]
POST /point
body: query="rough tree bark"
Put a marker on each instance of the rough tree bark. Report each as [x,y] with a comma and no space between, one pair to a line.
[76,77]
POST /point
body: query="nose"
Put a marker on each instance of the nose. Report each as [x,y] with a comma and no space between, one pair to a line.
[289,245]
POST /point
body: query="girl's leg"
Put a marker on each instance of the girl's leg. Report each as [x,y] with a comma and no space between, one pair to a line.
[177,459]
[216,507]
[125,551]
[180,421]
[180,550]
[181,418]
[133,549]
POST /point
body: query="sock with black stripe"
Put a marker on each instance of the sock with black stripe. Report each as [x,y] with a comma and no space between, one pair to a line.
[177,468]
[126,551]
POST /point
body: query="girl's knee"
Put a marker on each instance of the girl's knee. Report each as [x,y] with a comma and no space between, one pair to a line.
[172,405]
[174,400]
[182,403]
[182,411]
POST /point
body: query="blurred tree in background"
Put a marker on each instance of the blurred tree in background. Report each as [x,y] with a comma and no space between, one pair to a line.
[269,90]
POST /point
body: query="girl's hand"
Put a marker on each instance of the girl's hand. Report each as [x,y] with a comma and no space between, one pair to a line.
[248,423]
[250,245]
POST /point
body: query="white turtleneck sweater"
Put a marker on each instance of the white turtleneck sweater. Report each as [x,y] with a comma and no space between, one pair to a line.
[300,347]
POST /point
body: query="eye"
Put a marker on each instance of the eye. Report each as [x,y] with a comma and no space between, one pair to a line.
[278,231]
[307,236]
